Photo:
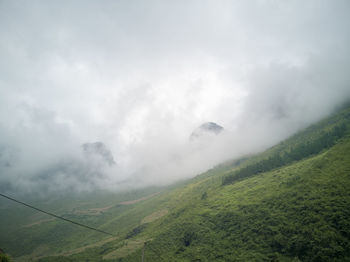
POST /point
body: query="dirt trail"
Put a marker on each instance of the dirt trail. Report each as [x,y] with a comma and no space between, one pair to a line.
[130,202]
[39,222]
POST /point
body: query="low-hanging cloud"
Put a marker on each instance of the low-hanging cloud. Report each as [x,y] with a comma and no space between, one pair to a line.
[140,77]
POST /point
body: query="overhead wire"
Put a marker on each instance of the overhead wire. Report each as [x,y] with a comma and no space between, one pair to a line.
[56,216]
[73,222]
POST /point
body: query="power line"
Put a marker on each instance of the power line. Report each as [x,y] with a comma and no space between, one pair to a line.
[56,216]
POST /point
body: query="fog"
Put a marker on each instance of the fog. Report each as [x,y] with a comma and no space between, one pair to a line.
[140,76]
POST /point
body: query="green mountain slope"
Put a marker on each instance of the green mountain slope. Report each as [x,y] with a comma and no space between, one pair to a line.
[289,203]
[299,211]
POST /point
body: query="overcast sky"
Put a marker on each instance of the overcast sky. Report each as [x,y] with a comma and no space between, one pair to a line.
[140,76]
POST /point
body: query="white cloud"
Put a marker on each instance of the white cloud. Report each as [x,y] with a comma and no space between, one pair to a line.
[142,76]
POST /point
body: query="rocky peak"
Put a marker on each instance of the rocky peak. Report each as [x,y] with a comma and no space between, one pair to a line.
[98,149]
[209,128]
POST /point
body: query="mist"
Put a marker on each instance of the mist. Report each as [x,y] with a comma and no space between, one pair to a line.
[140,76]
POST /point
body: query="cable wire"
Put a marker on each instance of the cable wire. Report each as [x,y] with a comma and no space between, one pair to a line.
[56,216]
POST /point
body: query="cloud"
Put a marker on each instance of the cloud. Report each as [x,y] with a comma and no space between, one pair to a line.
[140,77]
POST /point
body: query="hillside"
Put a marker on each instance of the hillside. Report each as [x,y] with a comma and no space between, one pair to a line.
[289,203]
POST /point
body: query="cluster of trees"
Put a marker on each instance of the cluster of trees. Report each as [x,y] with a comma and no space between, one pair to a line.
[290,228]
[298,152]
[5,258]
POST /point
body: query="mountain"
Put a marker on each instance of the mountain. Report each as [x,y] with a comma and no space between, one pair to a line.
[98,149]
[206,129]
[289,203]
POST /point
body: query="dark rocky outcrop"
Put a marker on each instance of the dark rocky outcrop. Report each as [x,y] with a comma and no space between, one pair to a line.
[99,149]
[209,128]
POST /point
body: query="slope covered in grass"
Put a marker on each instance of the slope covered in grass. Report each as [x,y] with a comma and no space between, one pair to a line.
[297,212]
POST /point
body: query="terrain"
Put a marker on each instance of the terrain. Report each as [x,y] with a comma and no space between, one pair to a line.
[288,203]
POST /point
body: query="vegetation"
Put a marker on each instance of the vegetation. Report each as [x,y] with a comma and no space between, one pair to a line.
[5,258]
[297,152]
[289,203]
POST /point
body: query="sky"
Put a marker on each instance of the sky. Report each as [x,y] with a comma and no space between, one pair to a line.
[140,76]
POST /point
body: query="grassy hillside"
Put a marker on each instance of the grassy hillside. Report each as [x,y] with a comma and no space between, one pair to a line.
[290,203]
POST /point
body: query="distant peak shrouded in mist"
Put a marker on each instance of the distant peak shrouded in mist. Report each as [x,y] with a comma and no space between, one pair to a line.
[206,129]
[98,149]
